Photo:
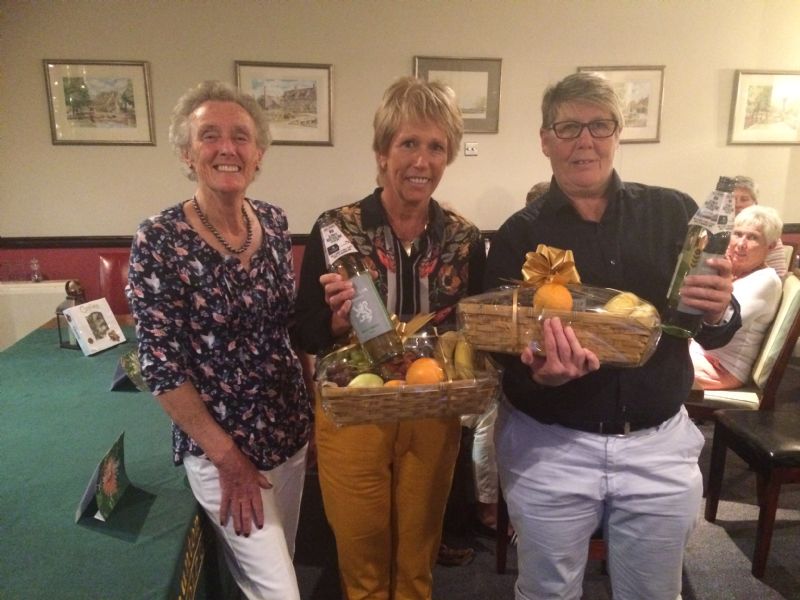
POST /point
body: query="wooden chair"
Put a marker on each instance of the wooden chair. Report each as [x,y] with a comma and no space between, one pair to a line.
[769,442]
[768,369]
[113,279]
[597,545]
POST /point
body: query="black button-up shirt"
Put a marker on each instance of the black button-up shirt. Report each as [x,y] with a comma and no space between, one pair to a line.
[634,248]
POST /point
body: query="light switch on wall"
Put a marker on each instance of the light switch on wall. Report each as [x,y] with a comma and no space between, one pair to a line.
[470,148]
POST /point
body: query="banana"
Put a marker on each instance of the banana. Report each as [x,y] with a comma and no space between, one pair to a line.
[464,359]
[445,350]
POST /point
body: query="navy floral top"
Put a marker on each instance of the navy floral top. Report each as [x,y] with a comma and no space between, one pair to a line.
[201,317]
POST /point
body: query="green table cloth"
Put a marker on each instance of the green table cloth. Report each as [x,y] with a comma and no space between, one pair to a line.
[57,420]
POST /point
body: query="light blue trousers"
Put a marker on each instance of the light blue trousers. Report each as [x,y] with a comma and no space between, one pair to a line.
[561,484]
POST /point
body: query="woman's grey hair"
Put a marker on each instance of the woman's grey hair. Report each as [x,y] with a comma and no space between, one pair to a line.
[747,184]
[580,87]
[763,218]
[410,99]
[218,91]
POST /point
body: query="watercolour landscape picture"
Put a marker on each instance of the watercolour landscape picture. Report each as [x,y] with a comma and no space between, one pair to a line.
[95,102]
[296,98]
[766,108]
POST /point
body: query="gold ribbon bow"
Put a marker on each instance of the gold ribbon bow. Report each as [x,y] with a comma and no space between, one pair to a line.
[547,265]
[404,330]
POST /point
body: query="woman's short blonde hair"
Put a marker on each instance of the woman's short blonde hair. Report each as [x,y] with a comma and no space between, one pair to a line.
[413,100]
[764,218]
[208,91]
[580,87]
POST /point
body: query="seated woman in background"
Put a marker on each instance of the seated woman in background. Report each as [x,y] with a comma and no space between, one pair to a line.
[758,289]
[745,193]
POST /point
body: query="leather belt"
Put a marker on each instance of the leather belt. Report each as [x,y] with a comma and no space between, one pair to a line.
[607,427]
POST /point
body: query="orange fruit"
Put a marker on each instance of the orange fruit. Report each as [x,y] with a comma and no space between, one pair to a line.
[394,383]
[424,370]
[554,296]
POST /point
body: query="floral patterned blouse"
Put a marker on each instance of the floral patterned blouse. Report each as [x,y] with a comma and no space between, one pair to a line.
[444,265]
[201,317]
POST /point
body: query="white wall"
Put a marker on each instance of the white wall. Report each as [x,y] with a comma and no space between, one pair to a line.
[48,190]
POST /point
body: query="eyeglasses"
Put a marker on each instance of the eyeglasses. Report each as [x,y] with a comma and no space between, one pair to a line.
[569,130]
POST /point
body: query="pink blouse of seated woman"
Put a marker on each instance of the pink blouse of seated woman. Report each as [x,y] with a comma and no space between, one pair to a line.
[758,289]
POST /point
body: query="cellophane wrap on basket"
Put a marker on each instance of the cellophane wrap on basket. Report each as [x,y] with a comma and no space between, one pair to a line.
[619,327]
[459,394]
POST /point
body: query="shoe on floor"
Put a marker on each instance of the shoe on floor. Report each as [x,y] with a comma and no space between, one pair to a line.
[454,557]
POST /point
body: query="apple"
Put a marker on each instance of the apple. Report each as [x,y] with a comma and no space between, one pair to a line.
[366,380]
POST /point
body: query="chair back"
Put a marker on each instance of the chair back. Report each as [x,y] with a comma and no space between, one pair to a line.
[113,279]
[788,255]
[779,343]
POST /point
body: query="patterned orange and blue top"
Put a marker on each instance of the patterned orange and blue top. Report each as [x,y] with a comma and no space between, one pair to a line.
[202,318]
[444,265]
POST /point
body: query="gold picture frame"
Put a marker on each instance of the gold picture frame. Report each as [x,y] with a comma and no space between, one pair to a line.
[101,102]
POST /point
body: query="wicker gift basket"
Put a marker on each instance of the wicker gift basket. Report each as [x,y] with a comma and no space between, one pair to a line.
[505,321]
[620,328]
[459,394]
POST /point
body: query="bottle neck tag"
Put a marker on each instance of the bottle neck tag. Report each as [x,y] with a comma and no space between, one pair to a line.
[335,243]
[716,214]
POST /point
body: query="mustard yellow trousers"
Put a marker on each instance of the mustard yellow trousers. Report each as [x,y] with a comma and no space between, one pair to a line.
[384,488]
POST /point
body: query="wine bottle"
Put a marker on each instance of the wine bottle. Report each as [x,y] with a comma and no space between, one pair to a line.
[708,236]
[368,315]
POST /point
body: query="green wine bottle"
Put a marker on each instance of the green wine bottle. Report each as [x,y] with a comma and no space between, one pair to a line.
[708,236]
[368,315]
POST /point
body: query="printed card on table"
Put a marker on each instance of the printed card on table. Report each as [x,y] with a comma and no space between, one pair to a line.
[128,374]
[107,483]
[94,326]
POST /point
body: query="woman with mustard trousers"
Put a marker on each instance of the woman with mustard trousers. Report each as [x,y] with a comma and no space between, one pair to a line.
[385,486]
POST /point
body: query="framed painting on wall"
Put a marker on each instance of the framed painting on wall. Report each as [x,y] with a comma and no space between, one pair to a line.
[641,91]
[765,108]
[297,97]
[476,82]
[99,102]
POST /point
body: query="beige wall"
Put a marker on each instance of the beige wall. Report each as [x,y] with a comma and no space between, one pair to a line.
[48,190]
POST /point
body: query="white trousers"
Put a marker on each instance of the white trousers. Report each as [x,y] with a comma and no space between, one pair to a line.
[484,462]
[560,484]
[261,564]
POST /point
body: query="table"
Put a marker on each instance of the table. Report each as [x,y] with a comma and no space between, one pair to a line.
[25,305]
[57,420]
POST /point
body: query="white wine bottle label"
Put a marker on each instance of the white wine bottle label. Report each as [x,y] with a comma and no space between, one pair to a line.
[336,244]
[715,213]
[367,315]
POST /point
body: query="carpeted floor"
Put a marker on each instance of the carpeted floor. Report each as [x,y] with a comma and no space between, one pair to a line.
[717,564]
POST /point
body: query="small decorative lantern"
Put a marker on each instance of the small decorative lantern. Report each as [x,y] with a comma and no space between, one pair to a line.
[75,296]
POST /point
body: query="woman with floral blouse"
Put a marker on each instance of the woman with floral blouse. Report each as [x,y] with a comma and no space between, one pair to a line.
[211,286]
[385,486]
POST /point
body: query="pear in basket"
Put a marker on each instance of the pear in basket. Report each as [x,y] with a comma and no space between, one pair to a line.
[627,304]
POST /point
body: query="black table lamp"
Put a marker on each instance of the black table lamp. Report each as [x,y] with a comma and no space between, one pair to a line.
[75,296]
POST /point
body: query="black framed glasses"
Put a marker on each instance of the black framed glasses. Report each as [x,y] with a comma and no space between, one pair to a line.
[569,130]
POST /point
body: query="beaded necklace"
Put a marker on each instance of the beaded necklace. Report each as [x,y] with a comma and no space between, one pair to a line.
[204,220]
